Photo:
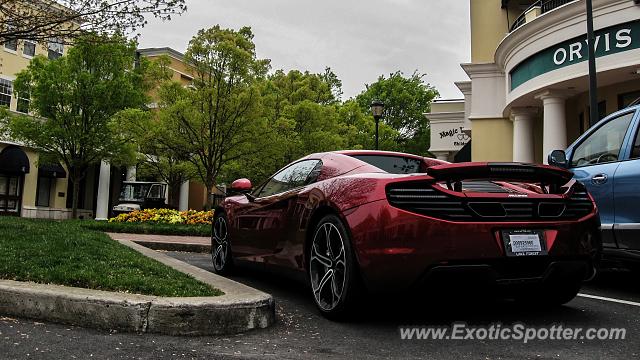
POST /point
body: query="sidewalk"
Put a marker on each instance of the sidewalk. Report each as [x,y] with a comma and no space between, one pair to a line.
[167,242]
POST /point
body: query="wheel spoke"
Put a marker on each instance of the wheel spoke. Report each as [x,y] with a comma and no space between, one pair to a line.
[327,276]
[315,255]
[328,228]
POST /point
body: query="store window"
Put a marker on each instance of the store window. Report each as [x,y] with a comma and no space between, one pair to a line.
[11,44]
[626,99]
[24,99]
[56,49]
[44,191]
[6,90]
[29,48]
[10,194]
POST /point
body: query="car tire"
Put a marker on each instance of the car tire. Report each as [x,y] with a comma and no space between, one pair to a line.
[332,269]
[220,245]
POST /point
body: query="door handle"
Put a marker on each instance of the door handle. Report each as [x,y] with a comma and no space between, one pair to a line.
[599,179]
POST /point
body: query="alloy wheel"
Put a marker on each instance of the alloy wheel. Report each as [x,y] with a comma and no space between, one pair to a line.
[327,266]
[221,243]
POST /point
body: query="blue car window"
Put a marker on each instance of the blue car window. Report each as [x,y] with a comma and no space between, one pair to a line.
[635,150]
[604,144]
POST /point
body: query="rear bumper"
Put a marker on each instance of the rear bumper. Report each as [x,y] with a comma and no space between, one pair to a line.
[500,276]
[398,250]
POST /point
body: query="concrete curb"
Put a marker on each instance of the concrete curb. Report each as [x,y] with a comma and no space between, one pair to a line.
[165,246]
[241,308]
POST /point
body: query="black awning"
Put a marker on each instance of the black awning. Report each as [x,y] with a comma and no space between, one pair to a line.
[13,160]
[464,154]
[52,171]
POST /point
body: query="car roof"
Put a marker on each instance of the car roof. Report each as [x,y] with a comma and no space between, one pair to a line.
[375,152]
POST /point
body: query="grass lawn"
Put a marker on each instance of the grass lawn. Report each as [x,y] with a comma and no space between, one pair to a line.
[146,228]
[66,253]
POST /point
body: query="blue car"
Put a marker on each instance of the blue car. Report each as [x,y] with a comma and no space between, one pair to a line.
[606,159]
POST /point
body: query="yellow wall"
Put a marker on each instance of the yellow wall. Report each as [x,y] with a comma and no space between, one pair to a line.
[488,27]
[492,140]
[30,180]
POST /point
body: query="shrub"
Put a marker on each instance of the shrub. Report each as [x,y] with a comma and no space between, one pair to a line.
[165,216]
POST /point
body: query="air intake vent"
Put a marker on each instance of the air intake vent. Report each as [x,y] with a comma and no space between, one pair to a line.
[579,205]
[424,199]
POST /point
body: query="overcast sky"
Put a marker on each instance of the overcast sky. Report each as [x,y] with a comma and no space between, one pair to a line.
[359,39]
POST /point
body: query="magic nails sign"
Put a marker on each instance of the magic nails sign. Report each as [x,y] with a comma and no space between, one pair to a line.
[610,40]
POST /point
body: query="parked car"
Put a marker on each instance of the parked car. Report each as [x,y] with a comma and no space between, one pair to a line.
[353,221]
[606,159]
[140,195]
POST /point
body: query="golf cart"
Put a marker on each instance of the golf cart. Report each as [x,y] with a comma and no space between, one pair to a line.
[139,195]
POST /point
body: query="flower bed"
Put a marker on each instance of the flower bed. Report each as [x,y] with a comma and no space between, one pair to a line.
[165,216]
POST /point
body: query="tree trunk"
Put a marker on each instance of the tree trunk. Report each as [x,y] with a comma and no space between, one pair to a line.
[76,194]
[210,191]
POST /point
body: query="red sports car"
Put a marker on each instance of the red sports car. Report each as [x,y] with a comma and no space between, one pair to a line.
[353,221]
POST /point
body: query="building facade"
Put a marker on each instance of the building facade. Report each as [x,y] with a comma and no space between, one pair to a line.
[529,73]
[31,189]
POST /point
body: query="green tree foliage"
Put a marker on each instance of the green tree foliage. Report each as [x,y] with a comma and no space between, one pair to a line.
[156,161]
[216,119]
[406,100]
[299,116]
[83,104]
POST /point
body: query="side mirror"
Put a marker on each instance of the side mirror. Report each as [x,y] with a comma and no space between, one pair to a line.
[558,158]
[241,186]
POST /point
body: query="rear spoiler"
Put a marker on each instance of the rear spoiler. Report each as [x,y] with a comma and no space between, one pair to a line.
[501,172]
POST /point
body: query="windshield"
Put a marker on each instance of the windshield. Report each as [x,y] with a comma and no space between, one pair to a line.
[134,192]
[392,164]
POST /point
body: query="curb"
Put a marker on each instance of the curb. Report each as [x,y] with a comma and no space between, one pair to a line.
[165,246]
[240,309]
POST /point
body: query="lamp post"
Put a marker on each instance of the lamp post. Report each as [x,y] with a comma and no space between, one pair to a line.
[377,108]
[593,80]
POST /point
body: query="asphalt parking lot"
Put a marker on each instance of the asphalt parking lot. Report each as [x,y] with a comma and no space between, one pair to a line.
[302,333]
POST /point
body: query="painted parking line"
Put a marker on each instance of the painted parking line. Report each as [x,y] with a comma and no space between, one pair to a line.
[626,302]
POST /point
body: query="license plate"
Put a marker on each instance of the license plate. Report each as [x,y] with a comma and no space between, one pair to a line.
[524,243]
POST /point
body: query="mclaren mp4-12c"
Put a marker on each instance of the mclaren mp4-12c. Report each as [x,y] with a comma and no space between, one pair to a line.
[355,221]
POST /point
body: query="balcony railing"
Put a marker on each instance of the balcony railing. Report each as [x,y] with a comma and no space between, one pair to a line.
[544,5]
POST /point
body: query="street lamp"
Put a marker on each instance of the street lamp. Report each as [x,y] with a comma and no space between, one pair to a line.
[593,75]
[377,108]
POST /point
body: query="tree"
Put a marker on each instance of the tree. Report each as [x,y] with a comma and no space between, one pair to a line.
[42,20]
[83,104]
[216,119]
[406,101]
[299,112]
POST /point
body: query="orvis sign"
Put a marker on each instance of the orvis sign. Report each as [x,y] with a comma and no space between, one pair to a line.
[610,40]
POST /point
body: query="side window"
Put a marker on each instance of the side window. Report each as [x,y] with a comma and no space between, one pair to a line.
[635,150]
[604,144]
[292,177]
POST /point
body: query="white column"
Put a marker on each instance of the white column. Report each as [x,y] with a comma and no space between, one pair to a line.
[102,206]
[441,155]
[465,88]
[523,144]
[131,173]
[184,196]
[554,135]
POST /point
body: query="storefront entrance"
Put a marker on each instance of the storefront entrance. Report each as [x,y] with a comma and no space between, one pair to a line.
[10,194]
[14,164]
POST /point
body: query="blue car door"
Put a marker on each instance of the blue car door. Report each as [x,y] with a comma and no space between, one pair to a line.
[594,159]
[627,193]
